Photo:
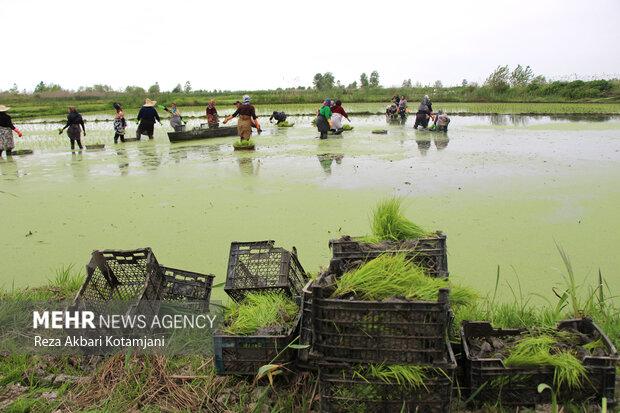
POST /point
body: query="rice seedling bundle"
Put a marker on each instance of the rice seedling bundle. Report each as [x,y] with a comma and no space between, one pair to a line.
[286,124]
[347,127]
[260,311]
[243,144]
[389,224]
[391,276]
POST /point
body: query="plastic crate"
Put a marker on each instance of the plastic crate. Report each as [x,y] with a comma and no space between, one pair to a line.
[343,391]
[429,253]
[132,279]
[398,331]
[244,355]
[492,382]
[182,286]
[260,266]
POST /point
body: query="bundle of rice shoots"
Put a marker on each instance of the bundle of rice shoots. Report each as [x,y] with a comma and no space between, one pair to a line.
[394,276]
[389,224]
[347,127]
[243,144]
[286,124]
[260,312]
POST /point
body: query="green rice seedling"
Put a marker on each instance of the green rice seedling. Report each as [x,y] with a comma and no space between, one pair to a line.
[593,345]
[244,144]
[389,224]
[404,375]
[568,370]
[258,311]
[347,127]
[285,124]
[389,276]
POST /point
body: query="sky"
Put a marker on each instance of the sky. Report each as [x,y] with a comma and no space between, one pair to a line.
[245,45]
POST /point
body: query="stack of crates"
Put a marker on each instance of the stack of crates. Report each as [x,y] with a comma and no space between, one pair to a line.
[258,266]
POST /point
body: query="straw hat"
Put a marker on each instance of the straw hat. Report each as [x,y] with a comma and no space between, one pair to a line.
[150,103]
[4,108]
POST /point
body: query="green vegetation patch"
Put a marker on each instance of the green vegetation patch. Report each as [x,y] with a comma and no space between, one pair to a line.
[285,124]
[261,314]
[244,144]
[389,224]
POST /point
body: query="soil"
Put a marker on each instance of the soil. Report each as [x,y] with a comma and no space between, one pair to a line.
[500,347]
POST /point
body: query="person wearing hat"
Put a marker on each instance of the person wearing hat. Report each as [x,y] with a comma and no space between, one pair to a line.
[247,119]
[6,131]
[74,122]
[441,121]
[323,118]
[119,123]
[176,121]
[146,119]
[213,119]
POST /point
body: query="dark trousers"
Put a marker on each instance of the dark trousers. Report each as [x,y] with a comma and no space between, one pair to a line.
[9,152]
[118,136]
[421,119]
[74,140]
[145,128]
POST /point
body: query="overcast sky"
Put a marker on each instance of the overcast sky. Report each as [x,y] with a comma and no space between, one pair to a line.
[268,44]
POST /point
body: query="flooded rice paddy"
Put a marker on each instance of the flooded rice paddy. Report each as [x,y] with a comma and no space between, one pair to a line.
[503,188]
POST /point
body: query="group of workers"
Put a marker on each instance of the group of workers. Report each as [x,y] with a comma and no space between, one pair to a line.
[330,117]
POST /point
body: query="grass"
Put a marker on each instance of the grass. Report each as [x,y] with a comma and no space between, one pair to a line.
[259,311]
[389,224]
[389,276]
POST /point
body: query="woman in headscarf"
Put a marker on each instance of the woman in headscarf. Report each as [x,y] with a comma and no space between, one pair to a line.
[425,111]
[119,123]
[213,119]
[323,118]
[74,122]
[247,119]
[338,114]
[175,117]
[6,131]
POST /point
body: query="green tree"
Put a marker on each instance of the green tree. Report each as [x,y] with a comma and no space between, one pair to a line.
[154,89]
[438,84]
[323,81]
[498,80]
[135,90]
[364,80]
[177,88]
[188,87]
[352,85]
[521,76]
[42,87]
[374,79]
[317,81]
[407,83]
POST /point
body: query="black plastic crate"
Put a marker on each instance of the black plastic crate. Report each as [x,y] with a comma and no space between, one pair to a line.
[429,252]
[261,266]
[343,391]
[182,286]
[390,331]
[489,381]
[132,279]
[244,355]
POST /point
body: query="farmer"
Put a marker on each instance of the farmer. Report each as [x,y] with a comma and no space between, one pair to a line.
[323,118]
[6,131]
[278,116]
[391,112]
[119,123]
[338,114]
[402,108]
[213,119]
[425,112]
[146,119]
[247,118]
[74,122]
[175,117]
[441,121]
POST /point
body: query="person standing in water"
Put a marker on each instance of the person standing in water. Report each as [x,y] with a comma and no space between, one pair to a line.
[73,125]
[119,123]
[147,116]
[6,131]
[323,118]
[338,114]
[175,117]
[247,118]
[213,119]
[424,114]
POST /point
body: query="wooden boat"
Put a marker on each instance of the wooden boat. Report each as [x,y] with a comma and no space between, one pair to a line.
[203,132]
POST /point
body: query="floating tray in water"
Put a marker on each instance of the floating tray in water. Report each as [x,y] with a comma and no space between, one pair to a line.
[131,139]
[244,148]
[380,132]
[22,152]
[95,146]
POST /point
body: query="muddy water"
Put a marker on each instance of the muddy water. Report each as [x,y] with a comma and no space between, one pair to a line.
[504,189]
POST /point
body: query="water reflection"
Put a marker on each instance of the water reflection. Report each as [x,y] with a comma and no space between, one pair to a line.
[149,157]
[441,140]
[249,166]
[78,166]
[123,161]
[424,142]
[328,159]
